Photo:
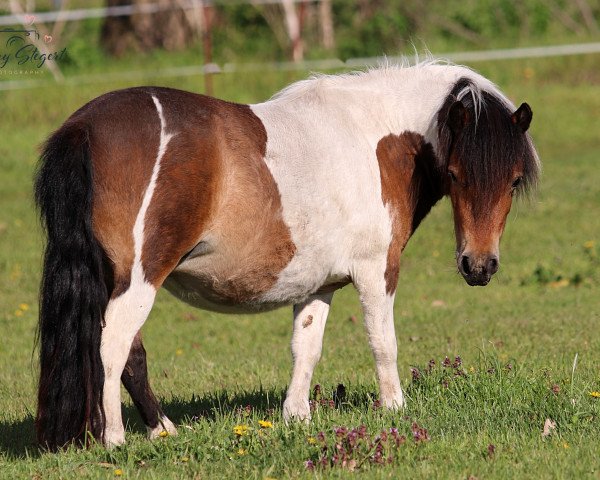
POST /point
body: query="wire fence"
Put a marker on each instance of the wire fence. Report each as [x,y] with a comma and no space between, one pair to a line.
[309,65]
[126,10]
[210,68]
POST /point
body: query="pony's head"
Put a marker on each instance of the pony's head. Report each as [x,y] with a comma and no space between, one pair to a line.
[488,158]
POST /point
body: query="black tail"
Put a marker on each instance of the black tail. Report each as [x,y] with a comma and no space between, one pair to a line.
[73,295]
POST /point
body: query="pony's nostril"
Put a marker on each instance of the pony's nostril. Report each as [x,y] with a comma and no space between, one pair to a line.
[492,265]
[464,263]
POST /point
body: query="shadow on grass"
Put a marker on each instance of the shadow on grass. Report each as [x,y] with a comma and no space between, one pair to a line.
[212,405]
[260,402]
[17,439]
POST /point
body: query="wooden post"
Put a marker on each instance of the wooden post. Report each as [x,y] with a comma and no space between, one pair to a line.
[326,18]
[207,45]
[292,21]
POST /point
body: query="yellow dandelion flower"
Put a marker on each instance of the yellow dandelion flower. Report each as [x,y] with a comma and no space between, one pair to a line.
[472,369]
[595,394]
[163,434]
[589,244]
[118,472]
[185,459]
[265,424]
[179,351]
[24,307]
[311,440]
[565,445]
[18,313]
[240,430]
[242,451]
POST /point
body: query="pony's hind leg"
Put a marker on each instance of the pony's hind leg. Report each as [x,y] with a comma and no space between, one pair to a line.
[307,341]
[378,308]
[135,379]
[124,317]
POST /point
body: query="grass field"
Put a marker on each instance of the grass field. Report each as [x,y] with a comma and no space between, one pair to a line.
[517,339]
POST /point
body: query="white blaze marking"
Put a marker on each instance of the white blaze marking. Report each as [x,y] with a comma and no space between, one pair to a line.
[138,228]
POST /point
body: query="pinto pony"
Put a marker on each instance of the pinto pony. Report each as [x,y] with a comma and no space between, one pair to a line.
[246,208]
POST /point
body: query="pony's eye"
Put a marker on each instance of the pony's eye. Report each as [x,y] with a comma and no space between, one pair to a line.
[452,176]
[516,183]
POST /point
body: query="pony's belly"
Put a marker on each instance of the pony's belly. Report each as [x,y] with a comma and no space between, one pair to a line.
[231,283]
[197,291]
[200,283]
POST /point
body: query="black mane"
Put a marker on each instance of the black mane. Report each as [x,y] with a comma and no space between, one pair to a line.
[489,146]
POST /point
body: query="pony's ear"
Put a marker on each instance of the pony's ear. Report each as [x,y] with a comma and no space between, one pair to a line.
[522,117]
[458,117]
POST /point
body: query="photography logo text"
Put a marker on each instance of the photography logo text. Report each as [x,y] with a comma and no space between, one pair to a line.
[20,48]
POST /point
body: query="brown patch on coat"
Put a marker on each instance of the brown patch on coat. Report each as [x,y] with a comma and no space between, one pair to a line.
[332,287]
[214,186]
[307,321]
[123,151]
[410,186]
[213,180]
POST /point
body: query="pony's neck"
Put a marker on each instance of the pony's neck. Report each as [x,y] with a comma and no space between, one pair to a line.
[378,102]
[429,184]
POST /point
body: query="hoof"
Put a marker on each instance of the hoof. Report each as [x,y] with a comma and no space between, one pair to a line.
[295,410]
[396,402]
[165,428]
[114,439]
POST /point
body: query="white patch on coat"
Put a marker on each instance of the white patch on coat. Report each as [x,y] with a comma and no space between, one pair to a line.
[307,342]
[328,175]
[379,323]
[138,228]
[321,150]
[126,314]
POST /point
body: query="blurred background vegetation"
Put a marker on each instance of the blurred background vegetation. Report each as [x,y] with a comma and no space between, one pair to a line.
[252,31]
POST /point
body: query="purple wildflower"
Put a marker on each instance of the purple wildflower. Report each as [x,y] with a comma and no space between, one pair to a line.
[419,433]
[430,366]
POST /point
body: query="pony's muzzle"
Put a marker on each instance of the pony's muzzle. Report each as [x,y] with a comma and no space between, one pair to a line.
[477,270]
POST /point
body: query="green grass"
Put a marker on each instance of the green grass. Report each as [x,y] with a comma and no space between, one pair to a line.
[517,338]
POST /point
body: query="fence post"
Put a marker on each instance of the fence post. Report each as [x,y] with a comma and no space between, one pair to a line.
[207,46]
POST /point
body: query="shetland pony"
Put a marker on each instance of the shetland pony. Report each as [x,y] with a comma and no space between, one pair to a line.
[247,208]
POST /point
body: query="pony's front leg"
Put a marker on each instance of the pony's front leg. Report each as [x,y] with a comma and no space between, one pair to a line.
[124,317]
[378,308]
[307,341]
[135,379]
